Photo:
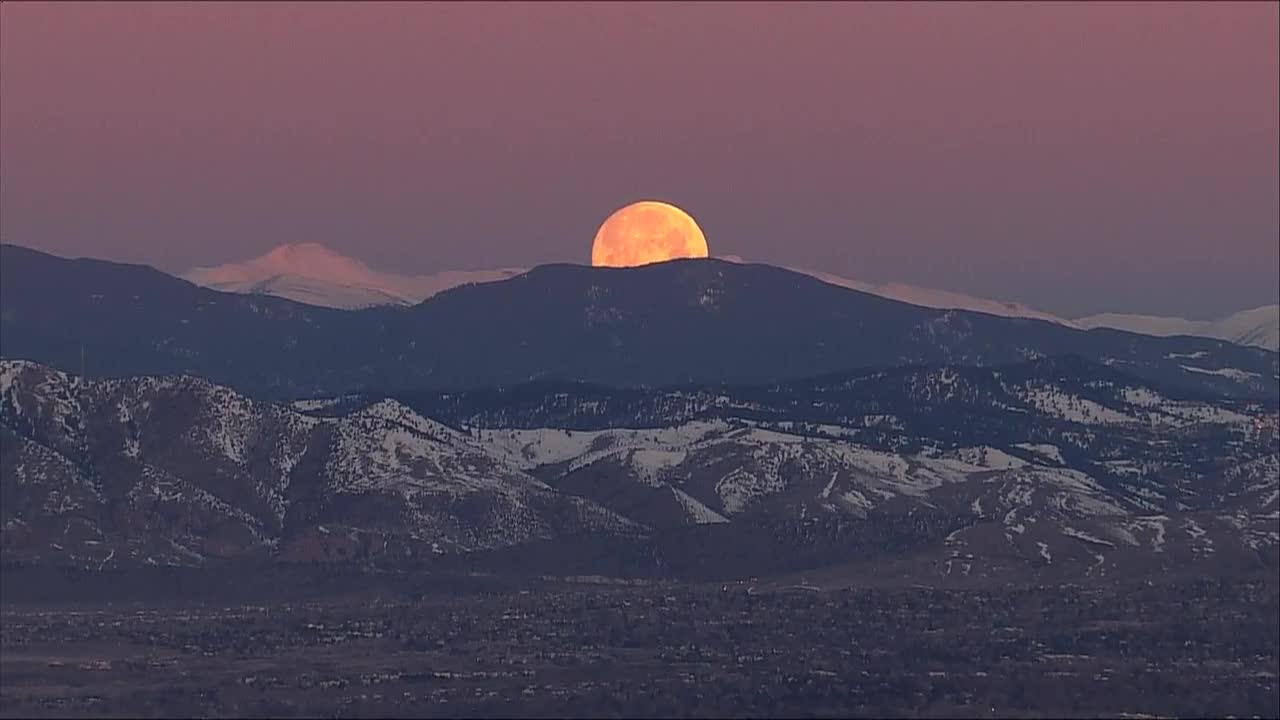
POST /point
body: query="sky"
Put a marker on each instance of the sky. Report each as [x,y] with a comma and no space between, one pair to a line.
[1079,158]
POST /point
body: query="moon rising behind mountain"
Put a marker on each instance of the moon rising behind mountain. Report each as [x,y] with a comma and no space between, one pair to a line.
[647,232]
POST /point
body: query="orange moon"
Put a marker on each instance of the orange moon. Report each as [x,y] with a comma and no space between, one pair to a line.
[647,232]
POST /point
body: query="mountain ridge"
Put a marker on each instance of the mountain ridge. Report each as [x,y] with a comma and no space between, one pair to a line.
[666,323]
[180,471]
[314,274]
[1259,327]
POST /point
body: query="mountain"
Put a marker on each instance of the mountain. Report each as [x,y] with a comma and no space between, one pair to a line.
[1259,327]
[1076,471]
[1138,447]
[176,470]
[313,274]
[703,321]
[941,299]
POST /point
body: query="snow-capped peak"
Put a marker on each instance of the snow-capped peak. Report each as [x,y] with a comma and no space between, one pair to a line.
[1259,326]
[314,274]
[303,259]
[313,259]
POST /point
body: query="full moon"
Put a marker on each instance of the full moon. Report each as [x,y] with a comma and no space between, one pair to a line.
[647,232]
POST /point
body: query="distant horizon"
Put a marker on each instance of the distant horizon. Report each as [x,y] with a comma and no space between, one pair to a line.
[1076,157]
[735,259]
[176,269]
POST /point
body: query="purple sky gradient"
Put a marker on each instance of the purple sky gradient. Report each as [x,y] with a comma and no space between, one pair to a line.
[1076,157]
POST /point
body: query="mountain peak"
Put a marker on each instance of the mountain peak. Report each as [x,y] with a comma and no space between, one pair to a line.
[315,274]
[307,272]
[307,259]
[308,254]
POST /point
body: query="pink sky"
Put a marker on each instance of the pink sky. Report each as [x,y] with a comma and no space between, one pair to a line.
[1076,157]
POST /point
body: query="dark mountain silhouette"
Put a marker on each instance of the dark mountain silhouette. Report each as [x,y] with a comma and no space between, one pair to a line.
[687,321]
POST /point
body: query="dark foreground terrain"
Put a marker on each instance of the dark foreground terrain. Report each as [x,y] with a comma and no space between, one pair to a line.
[387,645]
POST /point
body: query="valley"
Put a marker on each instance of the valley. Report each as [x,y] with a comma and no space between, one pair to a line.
[393,646]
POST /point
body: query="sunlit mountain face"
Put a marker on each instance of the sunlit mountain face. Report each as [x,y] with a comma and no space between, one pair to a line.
[312,273]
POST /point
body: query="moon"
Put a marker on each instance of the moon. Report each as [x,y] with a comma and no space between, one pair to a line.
[647,232]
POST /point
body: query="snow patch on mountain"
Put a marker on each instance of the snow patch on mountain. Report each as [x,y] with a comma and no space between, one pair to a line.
[939,299]
[740,488]
[699,513]
[1052,401]
[1044,450]
[1259,327]
[651,464]
[548,446]
[1233,373]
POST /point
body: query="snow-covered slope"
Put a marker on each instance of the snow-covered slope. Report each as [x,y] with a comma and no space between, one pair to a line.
[313,274]
[1025,508]
[177,470]
[927,297]
[941,299]
[1091,474]
[1259,326]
